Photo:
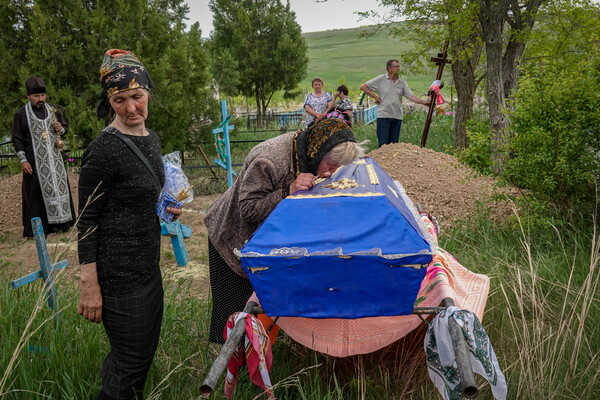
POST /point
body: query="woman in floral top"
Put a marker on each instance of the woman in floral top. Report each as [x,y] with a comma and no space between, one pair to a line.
[317,103]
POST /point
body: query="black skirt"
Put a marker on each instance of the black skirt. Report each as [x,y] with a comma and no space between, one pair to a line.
[230,292]
[132,323]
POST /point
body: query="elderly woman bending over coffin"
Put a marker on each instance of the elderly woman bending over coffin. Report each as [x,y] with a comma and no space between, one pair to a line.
[273,170]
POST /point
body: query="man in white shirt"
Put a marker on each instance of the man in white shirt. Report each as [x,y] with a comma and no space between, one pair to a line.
[390,89]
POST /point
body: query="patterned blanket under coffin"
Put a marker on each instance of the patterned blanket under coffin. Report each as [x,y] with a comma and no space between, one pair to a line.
[351,247]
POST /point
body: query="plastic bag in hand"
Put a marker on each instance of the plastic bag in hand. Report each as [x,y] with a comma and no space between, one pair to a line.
[176,183]
[176,189]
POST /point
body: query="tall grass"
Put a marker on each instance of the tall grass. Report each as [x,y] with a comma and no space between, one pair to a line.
[541,317]
[554,318]
[544,305]
[42,356]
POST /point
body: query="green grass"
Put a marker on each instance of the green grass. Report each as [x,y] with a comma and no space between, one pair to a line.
[342,55]
[541,316]
[543,307]
[441,132]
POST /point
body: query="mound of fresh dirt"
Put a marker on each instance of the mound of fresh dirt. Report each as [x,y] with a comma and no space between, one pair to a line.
[446,189]
[10,202]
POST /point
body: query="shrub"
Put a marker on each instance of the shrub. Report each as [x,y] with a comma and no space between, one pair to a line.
[556,127]
[479,153]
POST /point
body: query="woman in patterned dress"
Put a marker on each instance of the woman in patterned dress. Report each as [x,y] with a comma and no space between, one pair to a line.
[317,103]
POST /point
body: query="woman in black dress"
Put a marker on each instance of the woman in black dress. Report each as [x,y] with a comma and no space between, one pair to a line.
[119,231]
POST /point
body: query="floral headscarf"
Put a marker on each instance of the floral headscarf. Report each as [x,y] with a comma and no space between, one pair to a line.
[120,71]
[312,143]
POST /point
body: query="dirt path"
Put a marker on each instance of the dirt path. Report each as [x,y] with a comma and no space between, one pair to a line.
[22,254]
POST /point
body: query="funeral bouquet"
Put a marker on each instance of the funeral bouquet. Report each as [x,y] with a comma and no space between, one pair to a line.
[176,189]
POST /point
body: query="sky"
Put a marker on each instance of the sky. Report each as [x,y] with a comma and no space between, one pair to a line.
[312,16]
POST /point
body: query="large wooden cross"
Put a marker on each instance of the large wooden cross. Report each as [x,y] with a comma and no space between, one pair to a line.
[47,269]
[440,60]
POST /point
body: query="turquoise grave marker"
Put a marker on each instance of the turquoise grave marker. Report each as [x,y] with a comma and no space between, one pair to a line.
[177,232]
[47,269]
[222,144]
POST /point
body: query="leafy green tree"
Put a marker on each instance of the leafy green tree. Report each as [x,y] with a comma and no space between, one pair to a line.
[428,25]
[556,125]
[14,39]
[500,27]
[65,43]
[567,31]
[556,118]
[257,49]
[511,21]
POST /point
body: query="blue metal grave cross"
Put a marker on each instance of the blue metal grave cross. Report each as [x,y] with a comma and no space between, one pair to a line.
[177,232]
[224,127]
[47,269]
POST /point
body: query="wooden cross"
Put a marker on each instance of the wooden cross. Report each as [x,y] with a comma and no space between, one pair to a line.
[46,270]
[440,60]
[177,232]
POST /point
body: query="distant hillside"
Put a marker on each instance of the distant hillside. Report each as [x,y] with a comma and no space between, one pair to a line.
[340,53]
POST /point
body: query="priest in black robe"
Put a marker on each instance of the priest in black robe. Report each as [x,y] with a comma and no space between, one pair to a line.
[37,127]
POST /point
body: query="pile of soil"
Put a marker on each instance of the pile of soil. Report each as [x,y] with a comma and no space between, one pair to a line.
[10,202]
[445,188]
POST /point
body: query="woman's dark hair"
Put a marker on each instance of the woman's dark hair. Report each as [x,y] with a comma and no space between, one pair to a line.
[343,89]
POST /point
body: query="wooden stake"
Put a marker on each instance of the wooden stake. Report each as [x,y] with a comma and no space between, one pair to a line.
[207,162]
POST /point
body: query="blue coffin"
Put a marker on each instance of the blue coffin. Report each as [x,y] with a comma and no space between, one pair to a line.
[338,251]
